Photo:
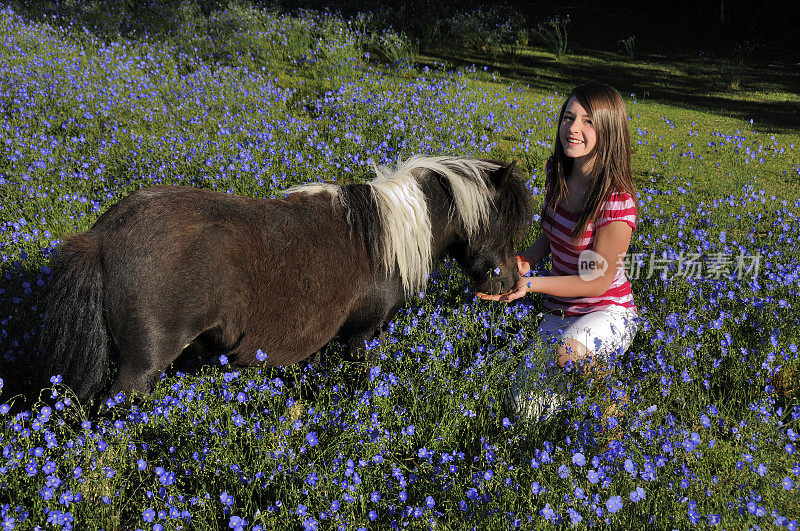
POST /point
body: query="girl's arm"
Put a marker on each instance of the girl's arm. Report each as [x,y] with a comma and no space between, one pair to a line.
[530,256]
[611,244]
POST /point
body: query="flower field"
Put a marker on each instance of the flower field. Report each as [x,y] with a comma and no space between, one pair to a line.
[251,102]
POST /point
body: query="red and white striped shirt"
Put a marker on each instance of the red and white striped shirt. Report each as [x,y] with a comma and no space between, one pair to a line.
[558,224]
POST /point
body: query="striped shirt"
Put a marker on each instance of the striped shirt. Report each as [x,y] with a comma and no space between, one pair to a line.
[558,224]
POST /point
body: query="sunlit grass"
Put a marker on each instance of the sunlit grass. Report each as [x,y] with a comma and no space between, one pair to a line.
[421,440]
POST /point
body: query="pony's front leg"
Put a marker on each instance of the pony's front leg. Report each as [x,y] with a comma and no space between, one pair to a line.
[315,360]
[369,320]
[142,360]
[357,346]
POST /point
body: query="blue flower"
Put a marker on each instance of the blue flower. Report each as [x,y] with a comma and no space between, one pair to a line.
[226,499]
[637,495]
[236,523]
[547,512]
[574,516]
[578,459]
[614,504]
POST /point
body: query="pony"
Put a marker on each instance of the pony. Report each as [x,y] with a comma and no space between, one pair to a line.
[269,281]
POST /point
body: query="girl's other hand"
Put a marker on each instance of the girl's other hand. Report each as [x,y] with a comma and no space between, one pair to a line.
[523,265]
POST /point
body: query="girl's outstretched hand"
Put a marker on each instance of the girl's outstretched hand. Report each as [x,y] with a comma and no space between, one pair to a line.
[523,286]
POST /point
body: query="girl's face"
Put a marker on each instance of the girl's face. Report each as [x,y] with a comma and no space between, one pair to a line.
[576,132]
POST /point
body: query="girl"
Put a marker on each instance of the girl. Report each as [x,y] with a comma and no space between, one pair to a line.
[588,216]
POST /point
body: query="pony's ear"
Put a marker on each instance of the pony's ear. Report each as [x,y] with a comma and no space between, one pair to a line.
[501,175]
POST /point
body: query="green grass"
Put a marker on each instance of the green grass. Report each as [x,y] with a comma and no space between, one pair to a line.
[767,92]
[712,375]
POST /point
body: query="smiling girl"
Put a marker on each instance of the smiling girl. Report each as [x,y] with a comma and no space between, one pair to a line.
[588,217]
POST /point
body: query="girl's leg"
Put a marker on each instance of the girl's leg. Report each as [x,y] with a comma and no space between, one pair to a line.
[597,337]
[541,385]
[610,332]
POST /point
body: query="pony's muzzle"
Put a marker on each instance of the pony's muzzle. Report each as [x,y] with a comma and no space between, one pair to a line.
[497,282]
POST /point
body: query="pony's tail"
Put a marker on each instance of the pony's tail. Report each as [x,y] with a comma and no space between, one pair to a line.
[75,341]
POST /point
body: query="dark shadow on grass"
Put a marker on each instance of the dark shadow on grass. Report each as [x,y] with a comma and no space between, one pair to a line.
[679,80]
[20,305]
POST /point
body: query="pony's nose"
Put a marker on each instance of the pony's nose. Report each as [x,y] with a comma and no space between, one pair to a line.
[500,282]
[508,281]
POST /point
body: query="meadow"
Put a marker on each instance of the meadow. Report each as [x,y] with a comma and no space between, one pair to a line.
[251,101]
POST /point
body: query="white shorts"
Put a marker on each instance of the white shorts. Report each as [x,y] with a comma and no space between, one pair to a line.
[605,333]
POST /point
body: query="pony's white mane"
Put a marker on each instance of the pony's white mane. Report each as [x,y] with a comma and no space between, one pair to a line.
[403,210]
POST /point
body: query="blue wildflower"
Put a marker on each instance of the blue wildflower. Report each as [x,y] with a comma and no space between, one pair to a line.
[614,504]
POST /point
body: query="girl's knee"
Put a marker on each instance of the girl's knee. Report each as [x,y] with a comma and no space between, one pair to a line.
[571,350]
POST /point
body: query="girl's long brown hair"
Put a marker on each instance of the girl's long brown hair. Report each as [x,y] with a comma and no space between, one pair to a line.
[611,171]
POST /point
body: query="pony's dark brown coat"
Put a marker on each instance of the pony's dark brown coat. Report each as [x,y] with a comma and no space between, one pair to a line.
[168,266]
